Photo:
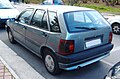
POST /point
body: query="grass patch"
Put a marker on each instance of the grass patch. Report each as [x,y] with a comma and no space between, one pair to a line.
[101,8]
[33,1]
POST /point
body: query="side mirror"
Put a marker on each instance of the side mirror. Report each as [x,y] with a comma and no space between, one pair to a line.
[114,72]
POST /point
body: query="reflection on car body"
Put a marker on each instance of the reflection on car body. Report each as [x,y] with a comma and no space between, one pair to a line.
[65,37]
[114,72]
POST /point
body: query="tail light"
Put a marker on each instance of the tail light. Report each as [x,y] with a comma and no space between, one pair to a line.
[66,47]
[110,37]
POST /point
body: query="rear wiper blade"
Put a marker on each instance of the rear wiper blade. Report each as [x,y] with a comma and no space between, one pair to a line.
[86,28]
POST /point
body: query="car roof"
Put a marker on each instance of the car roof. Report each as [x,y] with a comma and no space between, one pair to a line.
[60,8]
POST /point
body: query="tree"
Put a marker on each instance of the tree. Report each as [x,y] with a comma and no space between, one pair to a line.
[96,1]
[107,2]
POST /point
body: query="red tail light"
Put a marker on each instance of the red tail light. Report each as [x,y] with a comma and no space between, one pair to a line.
[110,37]
[66,47]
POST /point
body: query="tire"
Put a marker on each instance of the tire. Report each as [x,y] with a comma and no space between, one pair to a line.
[116,28]
[11,37]
[51,63]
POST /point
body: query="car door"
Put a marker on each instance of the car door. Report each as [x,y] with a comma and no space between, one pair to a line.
[20,25]
[36,33]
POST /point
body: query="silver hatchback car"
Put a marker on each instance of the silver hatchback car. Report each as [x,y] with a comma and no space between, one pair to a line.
[65,37]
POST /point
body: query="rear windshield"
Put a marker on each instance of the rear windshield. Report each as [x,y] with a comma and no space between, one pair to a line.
[78,21]
[5,4]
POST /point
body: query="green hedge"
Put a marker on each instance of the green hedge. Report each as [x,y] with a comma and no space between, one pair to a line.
[33,1]
[101,8]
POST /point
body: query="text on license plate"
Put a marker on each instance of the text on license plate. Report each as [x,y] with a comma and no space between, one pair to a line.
[93,42]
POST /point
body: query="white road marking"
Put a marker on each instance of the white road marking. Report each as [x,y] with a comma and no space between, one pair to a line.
[115,49]
[107,63]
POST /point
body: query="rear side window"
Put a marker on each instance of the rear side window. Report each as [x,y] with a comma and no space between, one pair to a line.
[53,20]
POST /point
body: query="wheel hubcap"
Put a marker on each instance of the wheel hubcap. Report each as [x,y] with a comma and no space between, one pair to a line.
[116,29]
[49,63]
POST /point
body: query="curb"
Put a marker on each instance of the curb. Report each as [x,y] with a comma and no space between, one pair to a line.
[13,63]
[9,68]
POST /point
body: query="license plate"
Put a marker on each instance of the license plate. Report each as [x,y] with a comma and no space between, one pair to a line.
[93,43]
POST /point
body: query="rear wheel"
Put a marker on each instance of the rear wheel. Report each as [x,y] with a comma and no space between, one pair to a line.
[116,28]
[10,36]
[51,63]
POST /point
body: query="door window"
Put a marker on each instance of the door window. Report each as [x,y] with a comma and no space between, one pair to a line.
[25,16]
[37,18]
[44,22]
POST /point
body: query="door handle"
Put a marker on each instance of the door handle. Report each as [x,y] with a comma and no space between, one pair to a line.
[44,34]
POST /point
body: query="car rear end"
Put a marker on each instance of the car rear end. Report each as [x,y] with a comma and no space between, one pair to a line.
[7,11]
[88,39]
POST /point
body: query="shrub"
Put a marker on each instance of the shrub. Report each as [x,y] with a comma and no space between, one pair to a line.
[33,1]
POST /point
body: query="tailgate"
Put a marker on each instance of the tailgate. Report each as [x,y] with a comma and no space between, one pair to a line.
[90,39]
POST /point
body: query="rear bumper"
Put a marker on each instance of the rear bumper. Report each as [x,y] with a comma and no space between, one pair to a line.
[84,58]
[72,67]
